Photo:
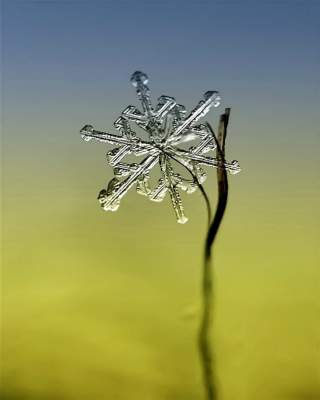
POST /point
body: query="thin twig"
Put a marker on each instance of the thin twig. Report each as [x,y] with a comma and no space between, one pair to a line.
[206,353]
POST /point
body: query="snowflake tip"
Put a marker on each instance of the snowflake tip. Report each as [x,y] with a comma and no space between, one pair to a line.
[139,77]
[214,96]
[234,167]
[87,129]
[106,204]
[182,220]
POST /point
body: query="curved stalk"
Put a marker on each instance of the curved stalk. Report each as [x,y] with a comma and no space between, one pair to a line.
[205,349]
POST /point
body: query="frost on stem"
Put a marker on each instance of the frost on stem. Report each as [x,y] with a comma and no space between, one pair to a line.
[168,129]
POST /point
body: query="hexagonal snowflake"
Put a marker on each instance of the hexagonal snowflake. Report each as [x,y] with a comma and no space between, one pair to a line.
[168,129]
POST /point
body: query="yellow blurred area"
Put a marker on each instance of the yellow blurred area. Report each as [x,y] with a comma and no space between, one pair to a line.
[107,305]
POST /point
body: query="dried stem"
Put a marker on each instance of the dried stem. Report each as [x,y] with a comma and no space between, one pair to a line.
[206,353]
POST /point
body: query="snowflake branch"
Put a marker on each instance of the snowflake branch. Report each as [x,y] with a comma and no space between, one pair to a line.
[199,185]
[186,156]
[167,172]
[88,133]
[110,198]
[212,98]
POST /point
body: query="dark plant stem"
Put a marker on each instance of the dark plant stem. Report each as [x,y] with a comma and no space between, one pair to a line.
[206,353]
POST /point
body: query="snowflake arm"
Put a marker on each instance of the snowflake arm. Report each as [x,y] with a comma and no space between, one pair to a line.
[212,98]
[138,146]
[110,198]
[186,157]
[140,80]
[171,183]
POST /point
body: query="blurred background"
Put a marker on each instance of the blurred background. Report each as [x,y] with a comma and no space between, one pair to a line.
[107,305]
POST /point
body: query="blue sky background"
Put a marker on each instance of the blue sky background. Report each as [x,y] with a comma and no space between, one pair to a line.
[262,56]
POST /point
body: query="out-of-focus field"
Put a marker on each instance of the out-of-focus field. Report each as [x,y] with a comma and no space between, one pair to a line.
[106,305]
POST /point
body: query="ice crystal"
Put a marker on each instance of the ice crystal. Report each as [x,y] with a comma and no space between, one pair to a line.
[168,129]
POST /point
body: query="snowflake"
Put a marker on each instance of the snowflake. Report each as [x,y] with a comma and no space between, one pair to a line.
[168,129]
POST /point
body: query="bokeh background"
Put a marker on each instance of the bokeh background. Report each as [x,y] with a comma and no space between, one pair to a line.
[107,305]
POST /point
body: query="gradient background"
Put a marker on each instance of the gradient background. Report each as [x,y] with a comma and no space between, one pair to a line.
[106,305]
